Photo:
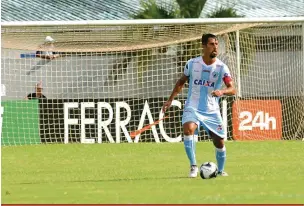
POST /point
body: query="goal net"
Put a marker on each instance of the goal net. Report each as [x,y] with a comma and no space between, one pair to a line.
[104,81]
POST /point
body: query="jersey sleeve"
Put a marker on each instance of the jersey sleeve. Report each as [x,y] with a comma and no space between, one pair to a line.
[226,75]
[188,68]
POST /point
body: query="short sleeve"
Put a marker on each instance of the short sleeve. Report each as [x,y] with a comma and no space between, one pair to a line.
[226,75]
[187,68]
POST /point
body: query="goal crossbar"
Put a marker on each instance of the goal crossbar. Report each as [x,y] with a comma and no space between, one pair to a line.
[157,21]
[98,40]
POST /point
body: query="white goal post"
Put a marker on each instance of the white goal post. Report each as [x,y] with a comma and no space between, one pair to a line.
[104,80]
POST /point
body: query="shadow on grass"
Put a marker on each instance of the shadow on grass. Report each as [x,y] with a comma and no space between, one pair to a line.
[102,180]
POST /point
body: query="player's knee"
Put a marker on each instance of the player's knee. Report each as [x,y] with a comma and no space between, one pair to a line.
[218,142]
[189,128]
[188,131]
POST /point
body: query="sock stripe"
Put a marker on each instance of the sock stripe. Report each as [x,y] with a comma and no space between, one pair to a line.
[193,150]
[188,137]
[221,149]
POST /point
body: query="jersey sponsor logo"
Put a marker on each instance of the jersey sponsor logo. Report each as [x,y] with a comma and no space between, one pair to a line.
[203,82]
[206,71]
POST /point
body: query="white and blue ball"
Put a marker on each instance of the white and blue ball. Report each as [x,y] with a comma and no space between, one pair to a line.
[208,170]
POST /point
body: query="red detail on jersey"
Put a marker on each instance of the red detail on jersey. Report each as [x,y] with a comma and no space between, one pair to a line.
[227,79]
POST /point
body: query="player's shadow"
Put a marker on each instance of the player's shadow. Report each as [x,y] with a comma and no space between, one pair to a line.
[132,179]
[104,180]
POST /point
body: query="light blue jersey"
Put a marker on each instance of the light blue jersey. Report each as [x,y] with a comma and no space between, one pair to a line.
[203,79]
[201,107]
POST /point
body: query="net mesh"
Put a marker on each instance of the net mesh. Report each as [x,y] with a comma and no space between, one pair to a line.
[111,80]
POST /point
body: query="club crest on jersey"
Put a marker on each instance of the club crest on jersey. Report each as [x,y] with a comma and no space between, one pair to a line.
[215,74]
[204,82]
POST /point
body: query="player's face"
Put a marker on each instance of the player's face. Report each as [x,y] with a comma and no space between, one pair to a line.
[211,48]
[39,90]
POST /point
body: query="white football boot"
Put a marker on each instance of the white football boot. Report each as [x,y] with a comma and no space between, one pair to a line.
[193,171]
[224,174]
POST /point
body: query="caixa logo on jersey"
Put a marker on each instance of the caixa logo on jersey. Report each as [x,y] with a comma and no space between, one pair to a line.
[204,82]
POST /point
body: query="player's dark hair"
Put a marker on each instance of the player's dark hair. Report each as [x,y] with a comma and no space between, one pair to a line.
[205,38]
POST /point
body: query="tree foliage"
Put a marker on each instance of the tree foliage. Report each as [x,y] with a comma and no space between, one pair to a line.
[152,10]
[224,12]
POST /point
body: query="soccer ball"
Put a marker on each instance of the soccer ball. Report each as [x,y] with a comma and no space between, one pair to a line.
[208,170]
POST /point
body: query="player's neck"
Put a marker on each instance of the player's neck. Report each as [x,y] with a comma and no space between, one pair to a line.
[208,61]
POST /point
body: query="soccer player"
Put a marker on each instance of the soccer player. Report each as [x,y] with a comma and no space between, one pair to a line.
[206,75]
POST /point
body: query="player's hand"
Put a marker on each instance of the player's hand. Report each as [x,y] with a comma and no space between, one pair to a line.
[217,93]
[166,105]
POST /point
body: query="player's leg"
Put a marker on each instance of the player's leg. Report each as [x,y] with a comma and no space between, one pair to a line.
[213,124]
[189,145]
[220,152]
[190,126]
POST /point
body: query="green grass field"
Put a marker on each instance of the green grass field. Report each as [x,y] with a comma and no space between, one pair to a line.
[260,172]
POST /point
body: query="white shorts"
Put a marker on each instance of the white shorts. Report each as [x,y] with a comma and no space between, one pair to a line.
[209,121]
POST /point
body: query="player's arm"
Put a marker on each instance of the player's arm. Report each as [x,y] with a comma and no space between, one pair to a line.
[177,89]
[179,85]
[230,89]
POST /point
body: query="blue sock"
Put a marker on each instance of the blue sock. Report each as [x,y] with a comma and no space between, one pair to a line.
[220,158]
[189,144]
